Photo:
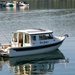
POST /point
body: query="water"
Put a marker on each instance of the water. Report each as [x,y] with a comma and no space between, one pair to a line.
[60,62]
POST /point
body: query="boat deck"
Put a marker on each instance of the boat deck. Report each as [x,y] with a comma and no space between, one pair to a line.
[2,48]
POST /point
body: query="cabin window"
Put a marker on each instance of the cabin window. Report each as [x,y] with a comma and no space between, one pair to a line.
[45,36]
[14,39]
[33,38]
[26,38]
[50,36]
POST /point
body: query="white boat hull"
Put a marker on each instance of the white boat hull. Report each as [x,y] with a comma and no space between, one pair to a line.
[14,53]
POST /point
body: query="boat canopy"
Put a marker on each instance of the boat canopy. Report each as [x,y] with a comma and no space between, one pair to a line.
[35,31]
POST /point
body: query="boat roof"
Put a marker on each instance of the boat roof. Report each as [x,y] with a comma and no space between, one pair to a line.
[35,31]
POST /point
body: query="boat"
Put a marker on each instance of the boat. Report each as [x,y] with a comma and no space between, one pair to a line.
[32,41]
[22,4]
[2,4]
[13,4]
[8,4]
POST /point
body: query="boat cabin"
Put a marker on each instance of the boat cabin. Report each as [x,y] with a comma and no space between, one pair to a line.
[31,37]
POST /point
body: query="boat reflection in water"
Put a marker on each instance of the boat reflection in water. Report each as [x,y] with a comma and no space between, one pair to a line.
[21,8]
[35,64]
[14,8]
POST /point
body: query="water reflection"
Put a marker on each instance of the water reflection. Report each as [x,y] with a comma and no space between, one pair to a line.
[44,4]
[22,8]
[34,64]
[51,4]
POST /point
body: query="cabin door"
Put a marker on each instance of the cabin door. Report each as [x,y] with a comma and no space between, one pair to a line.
[20,39]
[15,40]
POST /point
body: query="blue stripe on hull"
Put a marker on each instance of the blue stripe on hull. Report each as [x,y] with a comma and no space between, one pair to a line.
[36,47]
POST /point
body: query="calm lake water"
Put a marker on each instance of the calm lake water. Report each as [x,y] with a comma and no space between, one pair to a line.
[59,62]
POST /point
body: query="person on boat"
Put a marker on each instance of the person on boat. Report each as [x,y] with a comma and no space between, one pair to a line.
[21,40]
